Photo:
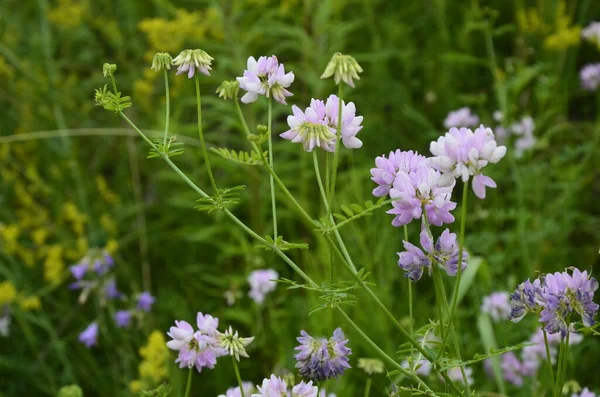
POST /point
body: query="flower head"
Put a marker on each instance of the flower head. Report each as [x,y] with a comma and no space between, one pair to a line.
[161,61]
[585,393]
[145,301]
[265,77]
[342,68]
[261,284]
[497,305]
[592,33]
[386,169]
[590,76]
[322,359]
[233,343]
[461,118]
[351,124]
[444,253]
[272,387]
[463,153]
[111,291]
[235,391]
[455,375]
[89,336]
[228,89]
[79,270]
[123,318]
[371,365]
[191,60]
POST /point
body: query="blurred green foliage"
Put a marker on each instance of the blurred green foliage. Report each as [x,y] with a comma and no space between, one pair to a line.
[74,178]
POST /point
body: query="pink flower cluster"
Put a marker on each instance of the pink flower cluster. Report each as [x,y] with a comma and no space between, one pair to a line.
[265,77]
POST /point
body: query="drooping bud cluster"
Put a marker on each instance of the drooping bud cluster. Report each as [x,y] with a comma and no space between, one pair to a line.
[161,61]
[322,359]
[342,68]
[191,60]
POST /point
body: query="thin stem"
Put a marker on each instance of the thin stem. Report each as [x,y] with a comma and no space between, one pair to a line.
[237,375]
[271,183]
[188,387]
[562,365]
[548,357]
[201,135]
[167,106]
[338,144]
[410,292]
[114,83]
[368,387]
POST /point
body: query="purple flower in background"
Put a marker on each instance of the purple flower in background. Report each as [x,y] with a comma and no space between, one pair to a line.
[89,336]
[455,375]
[111,291]
[261,284]
[80,269]
[444,253]
[303,389]
[265,77]
[592,33]
[272,387]
[590,76]
[351,124]
[524,299]
[191,60]
[463,153]
[422,368]
[461,118]
[123,318]
[322,359]
[512,369]
[386,169]
[196,348]
[585,393]
[235,391]
[497,305]
[421,190]
[145,301]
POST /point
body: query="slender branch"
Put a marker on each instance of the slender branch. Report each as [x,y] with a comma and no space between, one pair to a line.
[167,106]
[201,135]
[338,144]
[237,375]
[188,386]
[271,183]
[549,358]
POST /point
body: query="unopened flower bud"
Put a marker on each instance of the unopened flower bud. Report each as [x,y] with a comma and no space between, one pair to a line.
[228,89]
[262,129]
[190,60]
[342,68]
[161,61]
[70,391]
[109,69]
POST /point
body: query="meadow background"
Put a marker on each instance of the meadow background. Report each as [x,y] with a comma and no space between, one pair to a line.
[74,177]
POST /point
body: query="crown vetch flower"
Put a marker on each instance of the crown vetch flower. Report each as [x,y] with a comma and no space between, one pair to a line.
[310,127]
[592,33]
[261,284]
[80,269]
[111,291]
[235,391]
[123,318]
[322,359]
[191,60]
[233,343]
[455,375]
[386,169]
[461,118]
[89,336]
[421,190]
[444,253]
[497,305]
[161,61]
[351,124]
[342,68]
[590,76]
[511,366]
[145,301]
[463,153]
[303,389]
[585,393]
[272,387]
[265,77]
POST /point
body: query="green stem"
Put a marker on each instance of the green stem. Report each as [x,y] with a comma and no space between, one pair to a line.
[114,83]
[188,387]
[548,357]
[410,292]
[562,365]
[368,387]
[271,182]
[167,106]
[201,135]
[338,144]
[237,375]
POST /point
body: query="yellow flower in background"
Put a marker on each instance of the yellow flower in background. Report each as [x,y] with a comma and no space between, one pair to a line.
[6,71]
[8,293]
[27,256]
[40,235]
[76,218]
[135,386]
[30,303]
[68,14]
[10,237]
[53,264]
[112,246]
[564,36]
[107,195]
[170,35]
[108,224]
[531,22]
[153,368]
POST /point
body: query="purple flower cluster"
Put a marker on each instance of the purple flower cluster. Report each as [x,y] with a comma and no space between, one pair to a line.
[317,125]
[261,284]
[461,118]
[235,391]
[265,77]
[557,297]
[322,359]
[444,253]
[386,169]
[89,336]
[276,387]
[523,130]
[590,77]
[497,305]
[199,348]
[464,153]
[585,393]
[592,33]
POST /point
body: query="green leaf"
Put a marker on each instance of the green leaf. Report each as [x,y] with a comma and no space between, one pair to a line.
[488,339]
[252,158]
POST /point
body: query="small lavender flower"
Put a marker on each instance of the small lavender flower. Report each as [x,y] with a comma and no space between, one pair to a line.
[422,368]
[322,359]
[303,389]
[524,299]
[351,124]
[463,153]
[235,391]
[590,77]
[103,263]
[592,33]
[111,291]
[265,77]
[310,128]
[420,191]
[497,305]
[386,169]
[191,60]
[261,284]
[511,366]
[461,118]
[79,270]
[455,375]
[89,336]
[123,318]
[145,301]
[585,393]
[272,387]
[444,253]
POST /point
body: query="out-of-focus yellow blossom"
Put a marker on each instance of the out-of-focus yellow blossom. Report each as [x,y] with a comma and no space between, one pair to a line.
[153,368]
[78,251]
[108,224]
[530,22]
[6,71]
[10,237]
[53,264]
[40,235]
[27,256]
[23,195]
[107,195]
[68,14]
[564,36]
[288,6]
[112,246]
[30,303]
[8,293]
[76,218]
